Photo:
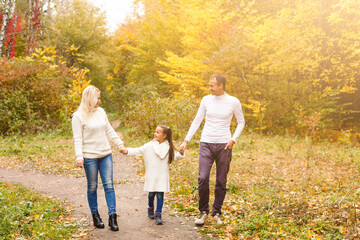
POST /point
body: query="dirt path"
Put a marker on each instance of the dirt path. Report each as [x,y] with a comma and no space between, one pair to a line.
[131,203]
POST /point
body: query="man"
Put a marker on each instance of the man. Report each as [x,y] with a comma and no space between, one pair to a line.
[216,143]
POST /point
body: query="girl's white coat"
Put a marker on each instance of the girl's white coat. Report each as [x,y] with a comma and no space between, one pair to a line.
[156,157]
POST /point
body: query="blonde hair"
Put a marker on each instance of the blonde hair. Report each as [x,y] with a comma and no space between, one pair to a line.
[89,99]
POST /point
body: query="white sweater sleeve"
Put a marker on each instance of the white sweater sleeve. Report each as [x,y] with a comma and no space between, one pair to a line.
[112,135]
[200,115]
[78,136]
[240,120]
[137,151]
[179,156]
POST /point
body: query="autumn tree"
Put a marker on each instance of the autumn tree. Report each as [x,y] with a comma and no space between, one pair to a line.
[287,61]
[6,21]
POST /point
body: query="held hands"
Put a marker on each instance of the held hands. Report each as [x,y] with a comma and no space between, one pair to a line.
[182,147]
[123,151]
[230,144]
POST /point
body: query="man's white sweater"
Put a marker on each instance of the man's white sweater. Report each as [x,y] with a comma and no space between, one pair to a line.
[218,112]
[91,138]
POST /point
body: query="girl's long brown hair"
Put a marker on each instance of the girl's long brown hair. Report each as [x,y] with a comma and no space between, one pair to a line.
[167,131]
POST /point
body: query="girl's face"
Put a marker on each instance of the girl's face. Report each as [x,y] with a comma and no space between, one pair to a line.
[159,135]
[98,101]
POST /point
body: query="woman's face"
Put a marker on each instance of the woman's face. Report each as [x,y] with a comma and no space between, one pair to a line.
[98,101]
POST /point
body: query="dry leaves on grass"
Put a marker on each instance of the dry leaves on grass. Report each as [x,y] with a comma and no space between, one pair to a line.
[53,155]
[278,190]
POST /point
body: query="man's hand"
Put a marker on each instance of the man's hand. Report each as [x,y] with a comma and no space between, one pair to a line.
[182,147]
[230,144]
[123,151]
[80,163]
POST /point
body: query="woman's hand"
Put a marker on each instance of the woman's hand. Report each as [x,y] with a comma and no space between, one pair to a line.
[123,151]
[80,163]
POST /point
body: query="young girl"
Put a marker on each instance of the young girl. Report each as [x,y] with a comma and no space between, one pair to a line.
[158,154]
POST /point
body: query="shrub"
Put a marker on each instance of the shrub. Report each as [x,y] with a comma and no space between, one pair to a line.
[151,110]
[30,95]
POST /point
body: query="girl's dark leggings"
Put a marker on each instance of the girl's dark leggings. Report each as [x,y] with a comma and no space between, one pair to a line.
[160,200]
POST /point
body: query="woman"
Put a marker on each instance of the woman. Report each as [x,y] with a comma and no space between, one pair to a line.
[91,131]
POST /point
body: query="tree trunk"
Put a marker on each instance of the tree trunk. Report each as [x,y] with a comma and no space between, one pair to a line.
[8,14]
[49,12]
[7,51]
[292,109]
[31,27]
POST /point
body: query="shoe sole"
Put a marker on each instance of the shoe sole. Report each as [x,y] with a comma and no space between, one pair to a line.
[199,224]
[102,226]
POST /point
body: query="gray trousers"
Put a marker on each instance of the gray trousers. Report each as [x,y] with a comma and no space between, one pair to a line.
[210,152]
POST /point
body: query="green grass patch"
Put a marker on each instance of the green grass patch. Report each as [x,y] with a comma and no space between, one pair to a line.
[48,153]
[279,188]
[28,215]
[212,231]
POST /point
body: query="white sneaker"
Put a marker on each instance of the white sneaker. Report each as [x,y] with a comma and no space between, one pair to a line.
[202,218]
[217,219]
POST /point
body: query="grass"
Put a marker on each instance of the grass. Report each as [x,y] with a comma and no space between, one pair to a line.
[48,153]
[28,215]
[278,187]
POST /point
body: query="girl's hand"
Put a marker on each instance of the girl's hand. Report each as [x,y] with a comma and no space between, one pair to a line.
[80,163]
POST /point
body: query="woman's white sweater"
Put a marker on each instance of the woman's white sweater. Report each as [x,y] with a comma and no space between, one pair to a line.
[91,138]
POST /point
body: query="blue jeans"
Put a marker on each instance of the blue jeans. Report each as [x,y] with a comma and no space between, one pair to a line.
[160,200]
[103,165]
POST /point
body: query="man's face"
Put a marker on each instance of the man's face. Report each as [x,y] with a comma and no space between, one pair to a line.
[214,88]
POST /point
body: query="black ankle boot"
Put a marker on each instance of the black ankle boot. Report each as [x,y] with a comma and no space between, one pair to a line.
[97,220]
[113,223]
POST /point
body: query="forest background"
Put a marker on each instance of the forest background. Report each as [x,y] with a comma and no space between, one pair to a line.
[293,64]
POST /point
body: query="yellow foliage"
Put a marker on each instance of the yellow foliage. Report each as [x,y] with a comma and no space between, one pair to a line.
[78,84]
[49,56]
[45,55]
[258,110]
[185,73]
[348,89]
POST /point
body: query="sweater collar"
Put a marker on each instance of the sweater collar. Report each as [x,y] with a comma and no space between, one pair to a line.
[161,149]
[220,96]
